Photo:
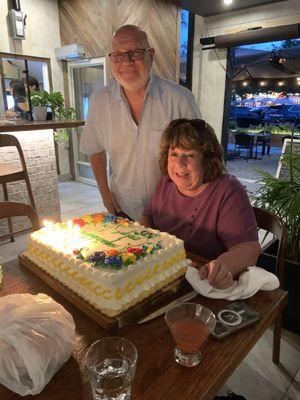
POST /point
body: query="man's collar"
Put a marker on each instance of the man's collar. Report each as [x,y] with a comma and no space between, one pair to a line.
[116,92]
[152,89]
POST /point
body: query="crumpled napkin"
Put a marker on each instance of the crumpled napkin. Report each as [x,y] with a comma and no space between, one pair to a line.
[249,282]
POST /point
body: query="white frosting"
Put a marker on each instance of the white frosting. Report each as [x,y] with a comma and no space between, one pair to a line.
[109,290]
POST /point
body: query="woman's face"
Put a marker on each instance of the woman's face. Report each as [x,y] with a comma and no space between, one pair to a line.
[185,168]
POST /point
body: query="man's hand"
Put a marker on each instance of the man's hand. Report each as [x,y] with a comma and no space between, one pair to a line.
[11,114]
[218,275]
[110,202]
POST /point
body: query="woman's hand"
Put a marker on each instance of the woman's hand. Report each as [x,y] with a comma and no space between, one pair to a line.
[218,275]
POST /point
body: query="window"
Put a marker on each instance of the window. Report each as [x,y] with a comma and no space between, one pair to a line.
[186,48]
[15,70]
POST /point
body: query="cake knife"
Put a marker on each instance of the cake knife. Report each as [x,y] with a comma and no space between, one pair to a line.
[168,307]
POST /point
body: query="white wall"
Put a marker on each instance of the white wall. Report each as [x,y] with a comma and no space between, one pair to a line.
[209,73]
[42,37]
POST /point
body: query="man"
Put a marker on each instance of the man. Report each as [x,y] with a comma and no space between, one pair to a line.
[126,119]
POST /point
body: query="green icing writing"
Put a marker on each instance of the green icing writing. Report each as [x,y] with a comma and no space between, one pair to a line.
[99,239]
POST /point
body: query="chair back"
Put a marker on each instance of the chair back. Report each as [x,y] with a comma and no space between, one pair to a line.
[271,223]
[242,139]
[10,209]
[11,141]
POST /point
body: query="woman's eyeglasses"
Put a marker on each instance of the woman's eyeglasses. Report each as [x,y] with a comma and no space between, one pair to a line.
[119,56]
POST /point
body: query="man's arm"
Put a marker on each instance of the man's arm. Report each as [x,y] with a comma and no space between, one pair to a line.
[98,162]
[146,221]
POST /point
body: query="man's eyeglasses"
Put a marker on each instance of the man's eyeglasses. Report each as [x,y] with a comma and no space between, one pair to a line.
[119,56]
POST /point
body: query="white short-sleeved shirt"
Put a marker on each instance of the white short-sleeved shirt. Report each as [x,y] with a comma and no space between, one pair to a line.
[134,149]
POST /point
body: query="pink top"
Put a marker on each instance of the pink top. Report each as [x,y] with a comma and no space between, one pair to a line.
[210,223]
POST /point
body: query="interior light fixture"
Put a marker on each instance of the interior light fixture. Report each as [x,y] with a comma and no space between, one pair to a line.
[227,2]
[262,83]
[245,83]
[280,83]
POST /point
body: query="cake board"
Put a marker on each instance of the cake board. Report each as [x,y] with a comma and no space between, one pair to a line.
[130,316]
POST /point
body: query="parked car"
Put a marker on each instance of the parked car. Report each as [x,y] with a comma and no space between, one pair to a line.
[243,116]
[283,113]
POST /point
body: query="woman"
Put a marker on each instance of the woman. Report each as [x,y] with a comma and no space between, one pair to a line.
[197,201]
[17,91]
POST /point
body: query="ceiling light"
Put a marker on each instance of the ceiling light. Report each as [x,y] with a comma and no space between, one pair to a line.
[227,2]
[262,83]
[245,83]
[280,83]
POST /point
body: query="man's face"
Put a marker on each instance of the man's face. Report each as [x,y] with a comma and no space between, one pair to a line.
[133,75]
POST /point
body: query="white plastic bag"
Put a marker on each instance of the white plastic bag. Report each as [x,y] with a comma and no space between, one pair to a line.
[37,336]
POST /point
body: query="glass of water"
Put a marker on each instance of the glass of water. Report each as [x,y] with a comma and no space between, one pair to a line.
[111,364]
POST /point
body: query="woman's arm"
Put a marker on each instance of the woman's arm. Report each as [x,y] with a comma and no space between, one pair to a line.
[223,270]
[146,221]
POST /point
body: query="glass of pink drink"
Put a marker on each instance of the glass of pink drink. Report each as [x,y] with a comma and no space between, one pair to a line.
[190,325]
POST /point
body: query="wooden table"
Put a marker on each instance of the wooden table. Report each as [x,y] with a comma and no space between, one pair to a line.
[16,125]
[157,376]
[260,139]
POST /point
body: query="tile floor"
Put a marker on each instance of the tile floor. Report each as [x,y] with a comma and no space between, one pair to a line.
[257,378]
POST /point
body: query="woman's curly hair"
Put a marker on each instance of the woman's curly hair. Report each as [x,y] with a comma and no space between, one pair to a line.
[193,134]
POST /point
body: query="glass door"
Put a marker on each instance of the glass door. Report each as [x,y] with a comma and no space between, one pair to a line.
[85,77]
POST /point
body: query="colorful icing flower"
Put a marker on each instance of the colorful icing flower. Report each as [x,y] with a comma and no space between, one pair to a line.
[110,218]
[123,221]
[97,258]
[112,252]
[147,249]
[128,258]
[98,217]
[113,262]
[88,219]
[137,251]
[78,221]
[78,253]
[156,246]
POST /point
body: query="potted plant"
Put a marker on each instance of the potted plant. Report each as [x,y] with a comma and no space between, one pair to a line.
[56,103]
[39,102]
[61,136]
[281,196]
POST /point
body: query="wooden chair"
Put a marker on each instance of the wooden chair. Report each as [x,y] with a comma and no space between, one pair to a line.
[9,209]
[271,223]
[10,172]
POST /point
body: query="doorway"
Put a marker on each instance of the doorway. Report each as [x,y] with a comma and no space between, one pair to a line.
[85,77]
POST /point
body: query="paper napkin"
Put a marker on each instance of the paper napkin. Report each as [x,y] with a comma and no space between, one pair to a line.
[249,282]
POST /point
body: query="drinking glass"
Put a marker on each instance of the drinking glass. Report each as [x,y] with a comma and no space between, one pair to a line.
[111,364]
[190,325]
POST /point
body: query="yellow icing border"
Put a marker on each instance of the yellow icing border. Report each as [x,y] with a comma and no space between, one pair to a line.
[98,290]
